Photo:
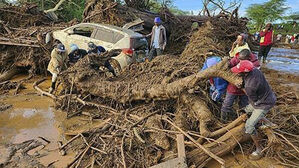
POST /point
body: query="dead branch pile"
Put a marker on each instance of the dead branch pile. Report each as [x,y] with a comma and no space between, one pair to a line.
[22,40]
[23,16]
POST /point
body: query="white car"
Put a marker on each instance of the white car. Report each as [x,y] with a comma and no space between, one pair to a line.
[134,46]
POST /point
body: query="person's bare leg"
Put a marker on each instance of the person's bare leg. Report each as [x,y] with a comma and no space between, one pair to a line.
[256,140]
[257,154]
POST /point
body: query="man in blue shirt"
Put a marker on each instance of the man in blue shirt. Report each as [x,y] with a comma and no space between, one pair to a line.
[218,85]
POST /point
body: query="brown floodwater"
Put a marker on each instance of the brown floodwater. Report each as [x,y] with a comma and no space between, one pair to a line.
[30,117]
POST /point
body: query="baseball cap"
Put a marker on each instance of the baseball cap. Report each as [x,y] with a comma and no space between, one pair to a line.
[243,66]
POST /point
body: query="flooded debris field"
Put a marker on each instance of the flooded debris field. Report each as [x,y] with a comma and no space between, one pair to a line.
[151,112]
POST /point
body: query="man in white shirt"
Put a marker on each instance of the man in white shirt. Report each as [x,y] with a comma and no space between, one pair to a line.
[158,39]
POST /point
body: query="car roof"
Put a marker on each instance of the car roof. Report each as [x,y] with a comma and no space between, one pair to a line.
[119,29]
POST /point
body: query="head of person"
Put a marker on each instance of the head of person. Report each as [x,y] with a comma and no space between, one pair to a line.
[74,49]
[244,54]
[91,46]
[243,68]
[268,26]
[157,21]
[241,39]
[60,48]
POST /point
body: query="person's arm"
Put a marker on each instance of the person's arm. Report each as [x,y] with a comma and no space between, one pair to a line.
[231,52]
[251,93]
[233,62]
[263,33]
[165,38]
[54,60]
[148,35]
[83,52]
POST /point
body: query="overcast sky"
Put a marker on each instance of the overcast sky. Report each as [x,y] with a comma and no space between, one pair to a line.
[196,5]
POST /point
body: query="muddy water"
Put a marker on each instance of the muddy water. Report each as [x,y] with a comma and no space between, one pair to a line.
[30,117]
[284,60]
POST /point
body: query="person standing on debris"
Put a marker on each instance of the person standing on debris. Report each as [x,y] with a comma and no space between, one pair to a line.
[93,49]
[217,85]
[261,98]
[239,45]
[233,92]
[266,41]
[57,63]
[76,53]
[158,39]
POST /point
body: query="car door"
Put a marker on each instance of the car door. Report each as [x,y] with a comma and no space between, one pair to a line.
[80,36]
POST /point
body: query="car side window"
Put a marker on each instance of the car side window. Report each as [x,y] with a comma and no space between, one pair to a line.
[83,31]
[117,37]
[108,35]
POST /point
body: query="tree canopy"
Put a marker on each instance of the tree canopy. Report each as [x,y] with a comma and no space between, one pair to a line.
[267,12]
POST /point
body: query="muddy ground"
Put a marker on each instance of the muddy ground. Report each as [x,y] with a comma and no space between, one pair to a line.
[30,127]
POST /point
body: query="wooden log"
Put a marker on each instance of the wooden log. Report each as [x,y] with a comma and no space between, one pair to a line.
[200,147]
[18,44]
[10,73]
[181,146]
[230,140]
[35,86]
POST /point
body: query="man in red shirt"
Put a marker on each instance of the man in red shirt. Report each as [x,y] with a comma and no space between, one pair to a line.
[266,42]
[233,93]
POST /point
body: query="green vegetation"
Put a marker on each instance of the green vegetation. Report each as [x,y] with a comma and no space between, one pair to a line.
[267,12]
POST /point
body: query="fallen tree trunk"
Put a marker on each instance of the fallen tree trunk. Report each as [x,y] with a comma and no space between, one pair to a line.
[227,143]
[10,73]
[164,91]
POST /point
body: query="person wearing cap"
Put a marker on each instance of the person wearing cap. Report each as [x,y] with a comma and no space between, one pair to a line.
[76,53]
[261,100]
[158,39]
[93,49]
[217,85]
[239,45]
[233,92]
[266,42]
[57,63]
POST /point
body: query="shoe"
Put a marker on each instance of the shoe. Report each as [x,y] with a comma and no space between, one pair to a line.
[269,125]
[256,155]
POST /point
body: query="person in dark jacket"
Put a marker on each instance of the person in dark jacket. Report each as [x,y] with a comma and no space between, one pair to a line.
[217,85]
[93,49]
[233,92]
[266,41]
[261,100]
[76,53]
